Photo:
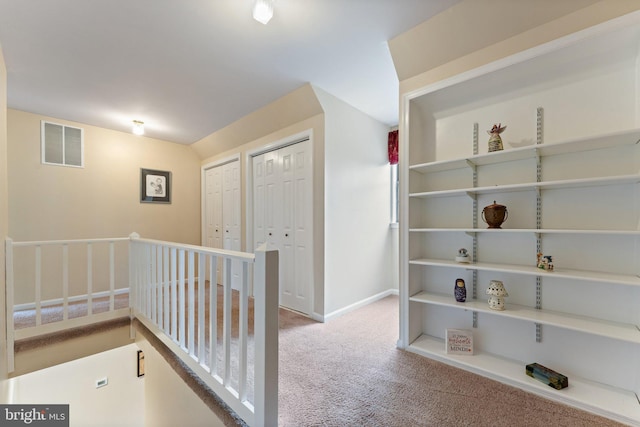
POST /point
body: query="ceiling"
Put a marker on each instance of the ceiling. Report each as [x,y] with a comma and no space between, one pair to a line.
[188,68]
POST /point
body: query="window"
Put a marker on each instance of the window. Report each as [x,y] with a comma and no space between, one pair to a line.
[62,145]
[394,194]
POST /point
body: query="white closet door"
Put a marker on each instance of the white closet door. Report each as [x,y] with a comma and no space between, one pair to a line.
[295,276]
[231,215]
[213,213]
[258,201]
[272,200]
[282,202]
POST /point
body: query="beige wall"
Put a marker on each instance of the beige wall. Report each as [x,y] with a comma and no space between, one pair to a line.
[168,399]
[4,217]
[477,32]
[103,198]
[286,111]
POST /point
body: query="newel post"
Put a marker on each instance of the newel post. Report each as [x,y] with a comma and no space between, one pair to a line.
[266,292]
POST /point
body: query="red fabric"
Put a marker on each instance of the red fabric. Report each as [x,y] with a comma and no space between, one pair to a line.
[393,147]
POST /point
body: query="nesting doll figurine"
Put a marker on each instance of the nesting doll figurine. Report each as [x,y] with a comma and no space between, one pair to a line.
[460,291]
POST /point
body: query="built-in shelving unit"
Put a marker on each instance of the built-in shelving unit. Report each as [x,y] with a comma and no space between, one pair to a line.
[571,185]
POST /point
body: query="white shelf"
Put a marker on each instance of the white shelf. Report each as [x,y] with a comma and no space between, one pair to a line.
[617,404]
[585,275]
[525,231]
[611,140]
[565,183]
[589,325]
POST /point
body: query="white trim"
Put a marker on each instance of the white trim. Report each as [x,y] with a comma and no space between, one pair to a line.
[359,304]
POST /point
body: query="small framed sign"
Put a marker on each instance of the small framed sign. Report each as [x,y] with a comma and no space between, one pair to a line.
[459,341]
[155,186]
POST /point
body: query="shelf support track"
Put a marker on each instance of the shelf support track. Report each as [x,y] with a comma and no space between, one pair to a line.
[539,141]
[475,224]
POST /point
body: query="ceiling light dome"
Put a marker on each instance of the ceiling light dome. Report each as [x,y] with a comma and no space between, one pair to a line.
[263,11]
[138,127]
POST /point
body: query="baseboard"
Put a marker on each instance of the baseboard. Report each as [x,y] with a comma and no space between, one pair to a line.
[357,305]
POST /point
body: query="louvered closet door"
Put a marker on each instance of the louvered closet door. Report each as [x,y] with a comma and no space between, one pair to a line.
[282,198]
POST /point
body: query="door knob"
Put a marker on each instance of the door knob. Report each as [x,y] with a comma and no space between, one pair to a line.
[286,235]
[270,234]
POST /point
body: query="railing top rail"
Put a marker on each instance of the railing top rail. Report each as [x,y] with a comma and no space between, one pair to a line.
[241,256]
[65,242]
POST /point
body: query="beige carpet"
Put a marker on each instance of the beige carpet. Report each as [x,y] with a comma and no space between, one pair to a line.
[348,372]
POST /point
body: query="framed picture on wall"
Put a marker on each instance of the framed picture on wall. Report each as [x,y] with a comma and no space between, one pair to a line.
[155,186]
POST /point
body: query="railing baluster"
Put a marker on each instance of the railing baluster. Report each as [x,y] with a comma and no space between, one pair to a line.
[65,282]
[174,295]
[226,335]
[159,287]
[90,279]
[112,276]
[165,286]
[154,283]
[243,332]
[192,305]
[38,290]
[213,315]
[181,300]
[202,286]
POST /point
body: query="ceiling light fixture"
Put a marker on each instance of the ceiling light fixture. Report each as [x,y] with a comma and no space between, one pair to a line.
[138,127]
[263,11]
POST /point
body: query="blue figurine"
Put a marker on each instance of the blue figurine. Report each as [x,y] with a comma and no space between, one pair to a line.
[460,291]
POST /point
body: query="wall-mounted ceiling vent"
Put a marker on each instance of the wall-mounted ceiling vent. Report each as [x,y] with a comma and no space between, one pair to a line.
[62,145]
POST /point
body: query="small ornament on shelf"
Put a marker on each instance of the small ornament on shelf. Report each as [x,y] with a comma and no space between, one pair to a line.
[459,341]
[495,214]
[545,262]
[495,142]
[463,256]
[496,292]
[460,291]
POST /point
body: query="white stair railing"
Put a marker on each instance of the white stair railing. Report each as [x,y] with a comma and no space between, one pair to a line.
[174,293]
[29,267]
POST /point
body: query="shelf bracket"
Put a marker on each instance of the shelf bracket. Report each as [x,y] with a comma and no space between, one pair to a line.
[475,222]
[539,140]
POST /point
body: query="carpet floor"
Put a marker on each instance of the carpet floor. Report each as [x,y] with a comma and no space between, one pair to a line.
[348,372]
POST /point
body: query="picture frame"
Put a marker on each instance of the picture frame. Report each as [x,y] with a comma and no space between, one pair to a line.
[155,186]
[140,363]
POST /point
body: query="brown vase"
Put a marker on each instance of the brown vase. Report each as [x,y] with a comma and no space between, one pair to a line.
[494,215]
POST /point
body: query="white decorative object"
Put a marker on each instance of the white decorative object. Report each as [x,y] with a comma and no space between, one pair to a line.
[463,256]
[496,292]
